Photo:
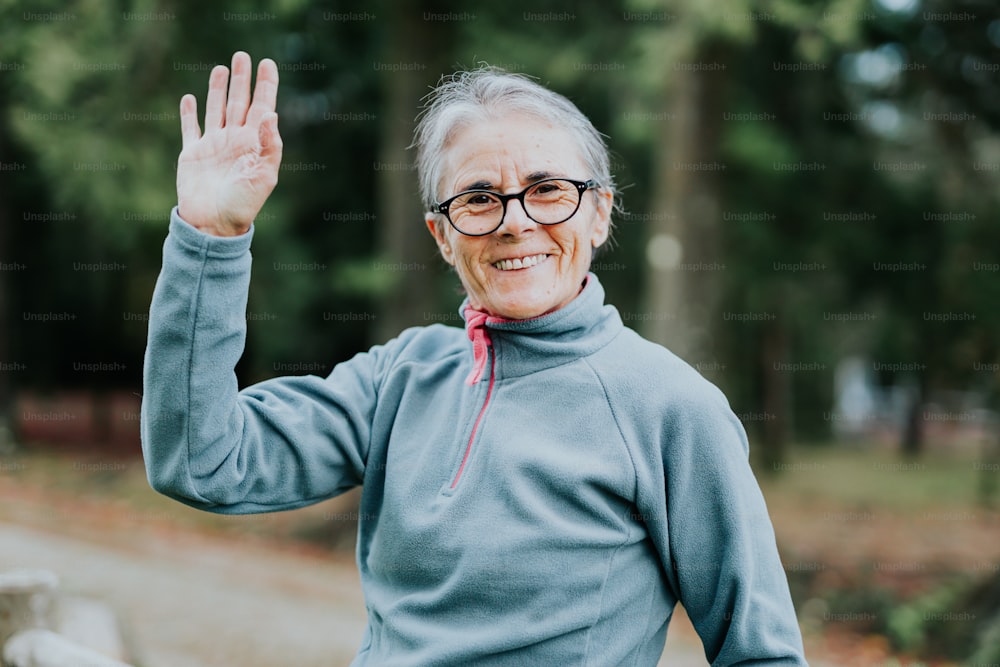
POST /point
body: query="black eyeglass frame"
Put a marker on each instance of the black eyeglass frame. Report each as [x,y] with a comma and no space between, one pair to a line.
[581,186]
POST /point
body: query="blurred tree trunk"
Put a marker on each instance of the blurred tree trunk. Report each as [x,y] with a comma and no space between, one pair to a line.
[775,395]
[403,238]
[986,487]
[683,304]
[912,444]
[6,397]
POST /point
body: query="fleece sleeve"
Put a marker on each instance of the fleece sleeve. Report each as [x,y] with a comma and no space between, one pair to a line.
[280,444]
[722,559]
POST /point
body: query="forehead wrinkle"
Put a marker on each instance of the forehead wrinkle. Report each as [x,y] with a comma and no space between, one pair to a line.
[496,162]
[480,174]
[522,177]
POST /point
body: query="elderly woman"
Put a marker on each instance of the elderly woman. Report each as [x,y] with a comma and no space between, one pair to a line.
[541,488]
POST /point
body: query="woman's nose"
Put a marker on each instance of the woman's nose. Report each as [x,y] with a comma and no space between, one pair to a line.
[516,220]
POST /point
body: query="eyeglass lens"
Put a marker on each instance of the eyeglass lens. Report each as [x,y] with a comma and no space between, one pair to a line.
[546,202]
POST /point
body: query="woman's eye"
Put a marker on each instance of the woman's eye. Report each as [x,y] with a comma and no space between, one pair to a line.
[481,200]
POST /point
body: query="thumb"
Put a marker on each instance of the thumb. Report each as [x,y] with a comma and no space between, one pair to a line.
[268,136]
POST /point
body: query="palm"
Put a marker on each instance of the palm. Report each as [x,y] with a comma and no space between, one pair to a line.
[225,176]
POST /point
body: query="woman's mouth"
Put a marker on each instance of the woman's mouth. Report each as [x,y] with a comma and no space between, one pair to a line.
[520,262]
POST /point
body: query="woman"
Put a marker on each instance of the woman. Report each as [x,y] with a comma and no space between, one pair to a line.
[539,489]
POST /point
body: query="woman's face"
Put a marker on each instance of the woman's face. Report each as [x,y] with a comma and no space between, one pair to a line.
[506,156]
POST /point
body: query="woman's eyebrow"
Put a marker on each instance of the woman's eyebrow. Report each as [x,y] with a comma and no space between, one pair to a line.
[536,176]
[478,185]
[481,184]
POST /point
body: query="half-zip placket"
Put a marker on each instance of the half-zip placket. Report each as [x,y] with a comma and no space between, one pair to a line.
[479,418]
[482,351]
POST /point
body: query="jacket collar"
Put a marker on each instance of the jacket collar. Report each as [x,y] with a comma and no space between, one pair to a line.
[576,330]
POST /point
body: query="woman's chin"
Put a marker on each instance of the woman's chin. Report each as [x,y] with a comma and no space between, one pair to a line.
[516,306]
[522,294]
[523,304]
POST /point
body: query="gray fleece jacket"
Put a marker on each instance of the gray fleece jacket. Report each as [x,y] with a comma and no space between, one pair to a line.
[550,510]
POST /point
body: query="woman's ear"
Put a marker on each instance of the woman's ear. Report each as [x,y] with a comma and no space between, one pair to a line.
[602,223]
[437,230]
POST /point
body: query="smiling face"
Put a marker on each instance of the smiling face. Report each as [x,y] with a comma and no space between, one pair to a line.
[523,269]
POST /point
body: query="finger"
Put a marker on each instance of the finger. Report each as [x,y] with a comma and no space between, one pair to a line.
[270,141]
[265,92]
[190,132]
[215,104]
[239,90]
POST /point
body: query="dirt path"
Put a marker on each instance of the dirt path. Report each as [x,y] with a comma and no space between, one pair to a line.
[192,600]
[198,602]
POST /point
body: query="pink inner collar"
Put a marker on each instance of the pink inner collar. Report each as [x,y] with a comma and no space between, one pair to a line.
[475,329]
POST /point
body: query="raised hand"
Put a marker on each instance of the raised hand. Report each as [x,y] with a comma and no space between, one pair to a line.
[225,176]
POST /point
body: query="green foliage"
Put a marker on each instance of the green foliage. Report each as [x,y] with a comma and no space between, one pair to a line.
[91,73]
[111,166]
[957,620]
[907,624]
[987,648]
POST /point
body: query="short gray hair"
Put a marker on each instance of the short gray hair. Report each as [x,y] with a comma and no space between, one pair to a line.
[490,93]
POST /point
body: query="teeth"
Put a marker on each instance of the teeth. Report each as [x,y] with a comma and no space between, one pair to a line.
[519,263]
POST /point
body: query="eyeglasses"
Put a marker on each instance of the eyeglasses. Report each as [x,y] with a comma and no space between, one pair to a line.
[547,202]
